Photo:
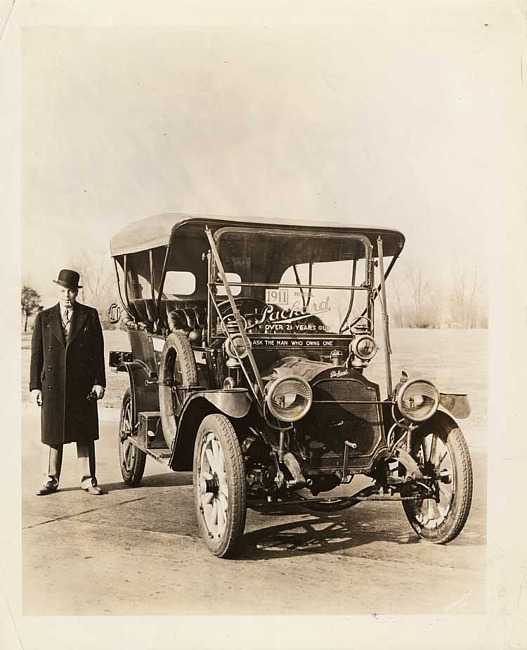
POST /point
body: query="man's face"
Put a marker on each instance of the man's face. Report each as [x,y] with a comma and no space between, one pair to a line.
[67,296]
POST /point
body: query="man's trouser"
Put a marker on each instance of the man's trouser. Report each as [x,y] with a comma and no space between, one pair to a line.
[53,464]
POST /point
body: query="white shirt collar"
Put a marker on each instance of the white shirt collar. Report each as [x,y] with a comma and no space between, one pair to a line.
[63,309]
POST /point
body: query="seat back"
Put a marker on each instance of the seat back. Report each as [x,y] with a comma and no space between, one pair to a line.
[185,317]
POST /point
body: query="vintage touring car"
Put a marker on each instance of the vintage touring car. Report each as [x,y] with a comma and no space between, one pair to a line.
[250,345]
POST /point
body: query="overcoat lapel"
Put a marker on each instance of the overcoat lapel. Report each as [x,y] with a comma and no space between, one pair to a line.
[77,322]
[56,324]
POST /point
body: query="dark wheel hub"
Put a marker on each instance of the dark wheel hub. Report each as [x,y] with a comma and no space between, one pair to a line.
[210,485]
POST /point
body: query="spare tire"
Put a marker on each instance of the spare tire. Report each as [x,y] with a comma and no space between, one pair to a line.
[177,374]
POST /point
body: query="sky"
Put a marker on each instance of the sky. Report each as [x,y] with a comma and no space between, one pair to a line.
[394,114]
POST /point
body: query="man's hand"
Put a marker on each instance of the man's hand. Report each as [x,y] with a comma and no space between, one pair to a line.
[98,391]
[37,396]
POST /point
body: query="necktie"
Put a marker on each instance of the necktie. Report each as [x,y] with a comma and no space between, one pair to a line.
[67,314]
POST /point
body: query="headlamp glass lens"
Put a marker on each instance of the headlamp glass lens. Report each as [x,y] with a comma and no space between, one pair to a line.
[418,400]
[289,399]
[364,347]
[235,347]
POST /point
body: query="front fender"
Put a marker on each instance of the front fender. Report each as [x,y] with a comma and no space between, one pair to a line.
[456,403]
[440,421]
[234,403]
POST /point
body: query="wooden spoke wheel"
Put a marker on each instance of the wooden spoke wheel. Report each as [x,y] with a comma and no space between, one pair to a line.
[219,483]
[443,458]
[131,459]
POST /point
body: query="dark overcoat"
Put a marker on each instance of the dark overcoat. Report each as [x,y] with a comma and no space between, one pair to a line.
[65,372]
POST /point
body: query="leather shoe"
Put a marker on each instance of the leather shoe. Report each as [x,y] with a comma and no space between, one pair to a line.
[46,489]
[94,489]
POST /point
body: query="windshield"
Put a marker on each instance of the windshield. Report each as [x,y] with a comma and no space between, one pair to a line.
[290,284]
[319,309]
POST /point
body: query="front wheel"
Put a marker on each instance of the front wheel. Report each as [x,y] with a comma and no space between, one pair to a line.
[131,459]
[219,484]
[442,455]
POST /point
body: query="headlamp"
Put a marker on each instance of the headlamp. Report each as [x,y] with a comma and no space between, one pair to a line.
[235,347]
[289,398]
[418,400]
[364,347]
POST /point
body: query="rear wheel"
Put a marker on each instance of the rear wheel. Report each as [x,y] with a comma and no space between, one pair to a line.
[131,459]
[219,484]
[442,454]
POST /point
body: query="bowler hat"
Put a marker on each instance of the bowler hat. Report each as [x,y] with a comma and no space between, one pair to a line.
[68,279]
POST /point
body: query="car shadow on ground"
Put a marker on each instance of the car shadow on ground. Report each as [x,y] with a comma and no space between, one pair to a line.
[327,533]
[321,533]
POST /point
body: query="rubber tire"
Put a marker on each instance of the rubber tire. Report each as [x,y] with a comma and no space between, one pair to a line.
[224,432]
[133,475]
[176,344]
[456,518]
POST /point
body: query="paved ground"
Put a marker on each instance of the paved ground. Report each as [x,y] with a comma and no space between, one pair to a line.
[137,551]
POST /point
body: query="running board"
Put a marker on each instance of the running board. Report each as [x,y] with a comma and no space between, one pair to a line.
[162,455]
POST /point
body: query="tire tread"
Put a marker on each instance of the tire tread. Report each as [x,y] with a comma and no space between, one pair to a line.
[132,478]
[219,423]
[450,529]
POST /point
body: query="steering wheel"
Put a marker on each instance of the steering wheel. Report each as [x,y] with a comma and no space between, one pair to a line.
[226,312]
[225,306]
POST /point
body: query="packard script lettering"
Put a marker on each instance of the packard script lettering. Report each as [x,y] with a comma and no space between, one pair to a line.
[338,373]
[288,319]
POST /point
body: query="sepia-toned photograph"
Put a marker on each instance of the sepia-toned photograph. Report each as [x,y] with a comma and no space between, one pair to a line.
[256,322]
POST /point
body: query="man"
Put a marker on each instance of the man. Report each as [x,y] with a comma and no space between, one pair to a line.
[67,378]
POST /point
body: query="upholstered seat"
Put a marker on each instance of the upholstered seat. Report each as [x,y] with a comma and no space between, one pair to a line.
[190,320]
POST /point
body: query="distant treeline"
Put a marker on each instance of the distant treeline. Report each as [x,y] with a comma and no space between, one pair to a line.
[455,298]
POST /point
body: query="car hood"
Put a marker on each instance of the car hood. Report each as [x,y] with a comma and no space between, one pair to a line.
[299,366]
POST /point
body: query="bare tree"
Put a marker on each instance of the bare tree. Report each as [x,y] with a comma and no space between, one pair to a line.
[466,309]
[426,300]
[420,299]
[97,280]
[31,302]
[399,309]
